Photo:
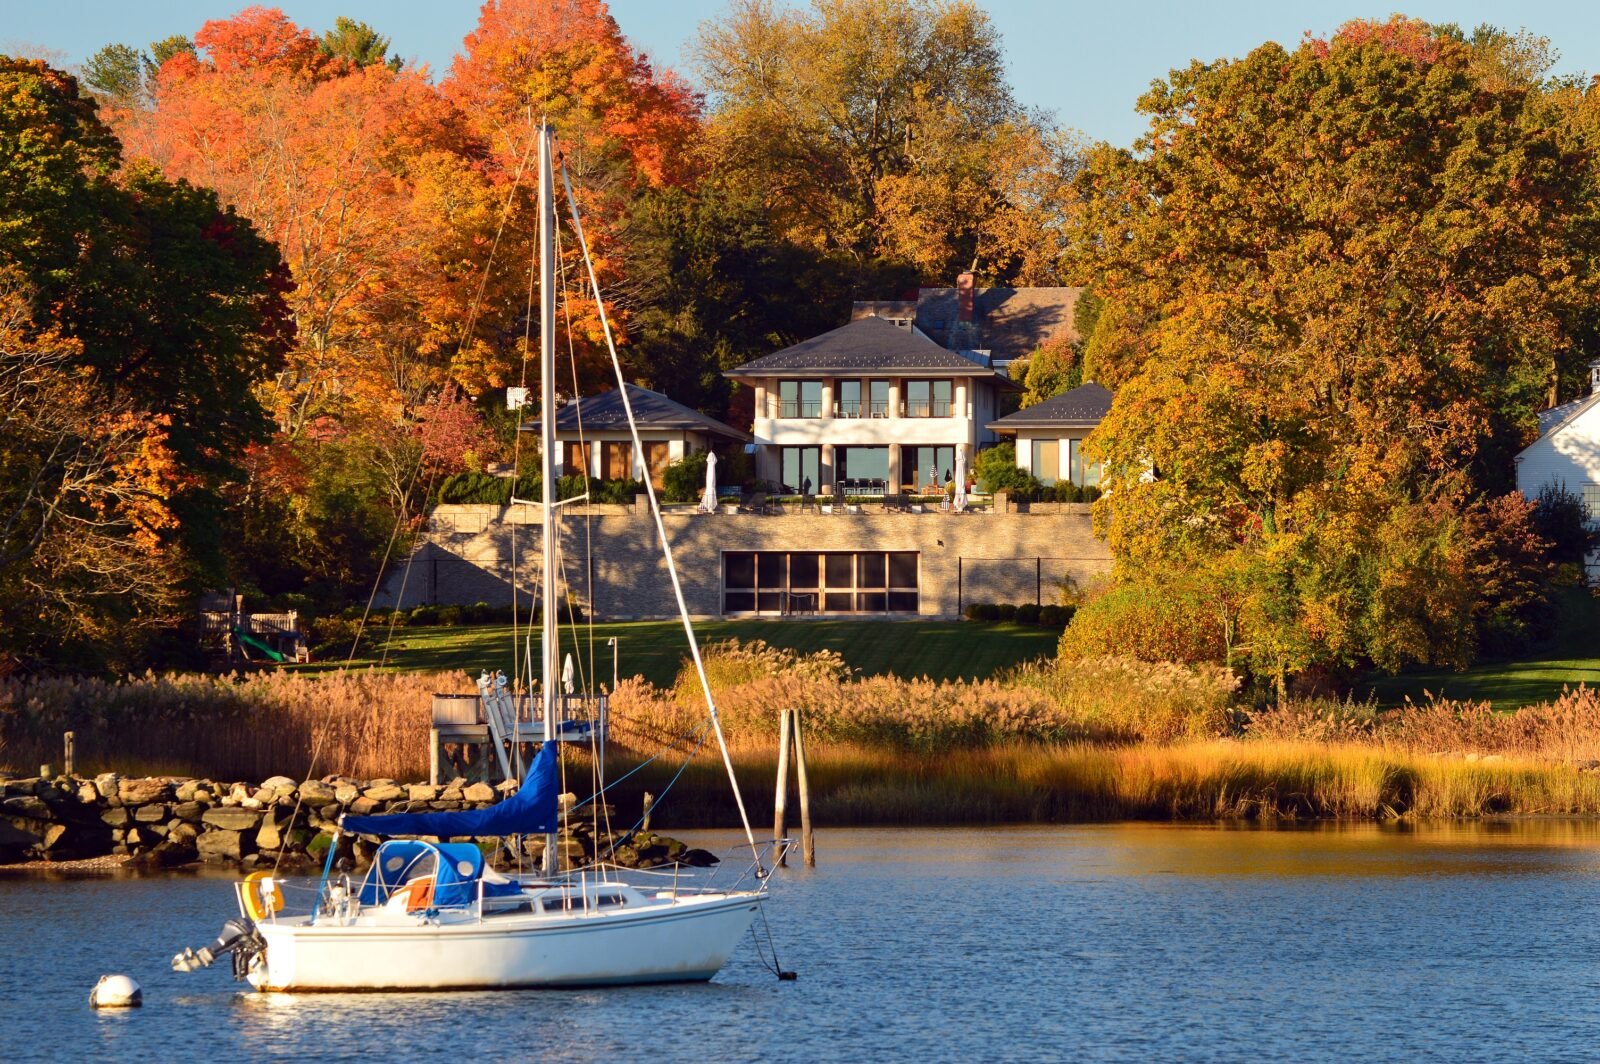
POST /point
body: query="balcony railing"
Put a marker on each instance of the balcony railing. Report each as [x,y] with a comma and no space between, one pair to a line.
[935,408]
[800,408]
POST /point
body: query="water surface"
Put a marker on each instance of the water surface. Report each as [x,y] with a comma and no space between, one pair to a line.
[1107,942]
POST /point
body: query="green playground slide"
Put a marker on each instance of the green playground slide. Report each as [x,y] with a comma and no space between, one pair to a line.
[251,641]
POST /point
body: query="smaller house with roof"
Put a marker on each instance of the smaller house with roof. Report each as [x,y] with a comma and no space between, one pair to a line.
[1567,452]
[1050,434]
[870,407]
[592,434]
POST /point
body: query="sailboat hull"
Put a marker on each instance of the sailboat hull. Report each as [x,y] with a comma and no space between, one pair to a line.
[686,940]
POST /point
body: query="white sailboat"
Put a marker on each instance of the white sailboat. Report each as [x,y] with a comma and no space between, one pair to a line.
[431,915]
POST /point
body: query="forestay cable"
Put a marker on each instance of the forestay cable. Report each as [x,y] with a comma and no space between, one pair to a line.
[655,512]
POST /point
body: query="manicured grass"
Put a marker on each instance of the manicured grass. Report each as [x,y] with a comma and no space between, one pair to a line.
[1569,657]
[941,650]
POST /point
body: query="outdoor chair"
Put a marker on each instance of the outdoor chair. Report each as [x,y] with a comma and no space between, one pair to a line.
[808,502]
[755,504]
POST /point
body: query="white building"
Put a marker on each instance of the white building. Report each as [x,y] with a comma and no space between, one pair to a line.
[872,406]
[1567,452]
[592,434]
[1050,434]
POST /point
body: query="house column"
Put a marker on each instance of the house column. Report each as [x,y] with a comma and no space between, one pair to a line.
[825,474]
[963,393]
[761,397]
[894,469]
[894,396]
[596,456]
[827,398]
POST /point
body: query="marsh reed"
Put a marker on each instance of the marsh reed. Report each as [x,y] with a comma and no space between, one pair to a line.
[1097,740]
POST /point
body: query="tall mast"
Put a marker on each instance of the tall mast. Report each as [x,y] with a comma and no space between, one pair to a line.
[547,447]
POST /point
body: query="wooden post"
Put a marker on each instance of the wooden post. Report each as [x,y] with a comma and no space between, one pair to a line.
[781,795]
[807,844]
[649,804]
[66,750]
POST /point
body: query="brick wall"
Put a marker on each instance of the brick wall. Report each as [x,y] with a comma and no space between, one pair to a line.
[995,557]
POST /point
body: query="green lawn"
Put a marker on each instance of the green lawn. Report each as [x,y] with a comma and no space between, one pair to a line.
[1570,656]
[943,650]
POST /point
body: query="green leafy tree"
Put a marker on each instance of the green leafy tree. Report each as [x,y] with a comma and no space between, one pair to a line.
[117,72]
[358,44]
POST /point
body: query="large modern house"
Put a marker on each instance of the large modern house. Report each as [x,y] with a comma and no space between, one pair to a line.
[592,434]
[1050,434]
[871,406]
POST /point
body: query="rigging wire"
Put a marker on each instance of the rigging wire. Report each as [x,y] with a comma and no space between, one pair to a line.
[355,642]
[655,510]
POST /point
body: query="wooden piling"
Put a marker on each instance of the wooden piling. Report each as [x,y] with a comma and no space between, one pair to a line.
[649,804]
[807,842]
[781,795]
[66,751]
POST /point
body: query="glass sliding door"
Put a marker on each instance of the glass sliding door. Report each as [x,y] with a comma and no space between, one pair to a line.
[802,470]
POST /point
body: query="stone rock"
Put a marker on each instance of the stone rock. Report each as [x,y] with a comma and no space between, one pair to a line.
[383,792]
[88,793]
[186,789]
[75,840]
[215,846]
[268,838]
[250,803]
[231,819]
[699,859]
[107,784]
[363,806]
[330,811]
[190,811]
[422,792]
[479,792]
[230,801]
[506,787]
[274,783]
[143,792]
[315,792]
[134,838]
[445,806]
[451,794]
[238,792]
[205,794]
[150,814]
[15,842]
[168,854]
[183,832]
[26,805]
[345,793]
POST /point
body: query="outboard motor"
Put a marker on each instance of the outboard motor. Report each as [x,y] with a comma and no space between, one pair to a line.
[238,937]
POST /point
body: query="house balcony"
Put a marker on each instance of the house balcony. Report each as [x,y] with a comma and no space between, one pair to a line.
[844,430]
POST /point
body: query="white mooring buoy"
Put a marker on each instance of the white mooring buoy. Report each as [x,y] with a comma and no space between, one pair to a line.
[116,992]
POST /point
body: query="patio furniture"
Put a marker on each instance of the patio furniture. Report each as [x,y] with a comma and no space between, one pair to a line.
[756,503]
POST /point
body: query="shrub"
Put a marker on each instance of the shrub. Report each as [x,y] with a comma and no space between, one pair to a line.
[1156,616]
[1005,612]
[477,613]
[450,616]
[996,469]
[1124,700]
[1562,520]
[1028,613]
[982,611]
[424,615]
[685,479]
[1053,616]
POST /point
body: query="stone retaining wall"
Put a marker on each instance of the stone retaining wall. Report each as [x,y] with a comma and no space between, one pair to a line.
[474,553]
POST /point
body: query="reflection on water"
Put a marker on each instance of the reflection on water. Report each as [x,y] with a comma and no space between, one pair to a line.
[1118,942]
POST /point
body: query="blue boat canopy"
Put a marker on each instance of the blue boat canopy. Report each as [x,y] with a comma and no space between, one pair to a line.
[531,811]
[455,867]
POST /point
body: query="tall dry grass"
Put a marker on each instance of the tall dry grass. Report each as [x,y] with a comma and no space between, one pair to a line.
[362,724]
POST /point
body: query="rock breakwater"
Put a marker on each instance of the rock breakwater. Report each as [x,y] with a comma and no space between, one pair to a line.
[160,822]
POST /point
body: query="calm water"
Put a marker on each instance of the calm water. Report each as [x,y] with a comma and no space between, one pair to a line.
[1129,942]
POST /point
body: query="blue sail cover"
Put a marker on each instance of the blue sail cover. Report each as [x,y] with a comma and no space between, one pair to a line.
[531,811]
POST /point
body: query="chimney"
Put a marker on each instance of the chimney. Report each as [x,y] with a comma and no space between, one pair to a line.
[964,297]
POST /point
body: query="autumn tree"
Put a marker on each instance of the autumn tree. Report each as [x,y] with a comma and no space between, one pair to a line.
[1335,281]
[174,303]
[886,128]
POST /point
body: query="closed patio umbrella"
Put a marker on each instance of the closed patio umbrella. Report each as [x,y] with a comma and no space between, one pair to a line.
[566,675]
[961,480]
[708,501]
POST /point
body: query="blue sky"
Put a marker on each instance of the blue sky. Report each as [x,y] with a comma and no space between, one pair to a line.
[1086,62]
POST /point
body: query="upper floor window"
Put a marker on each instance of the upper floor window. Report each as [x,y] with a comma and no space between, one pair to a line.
[1591,502]
[928,398]
[849,398]
[799,398]
[878,398]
